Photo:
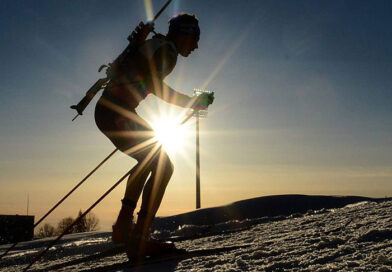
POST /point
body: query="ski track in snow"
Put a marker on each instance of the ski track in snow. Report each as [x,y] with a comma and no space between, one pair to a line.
[357,237]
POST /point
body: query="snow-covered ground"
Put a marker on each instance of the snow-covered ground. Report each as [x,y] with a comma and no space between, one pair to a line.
[357,237]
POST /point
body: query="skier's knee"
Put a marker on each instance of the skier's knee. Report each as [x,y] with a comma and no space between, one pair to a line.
[169,168]
[165,165]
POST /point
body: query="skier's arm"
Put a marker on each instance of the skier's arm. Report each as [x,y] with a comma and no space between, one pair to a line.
[163,62]
[176,98]
[160,65]
[171,96]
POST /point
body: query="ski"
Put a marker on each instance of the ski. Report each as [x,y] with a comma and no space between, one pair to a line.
[120,249]
[175,256]
[113,250]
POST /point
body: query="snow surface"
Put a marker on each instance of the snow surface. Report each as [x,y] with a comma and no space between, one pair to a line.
[357,237]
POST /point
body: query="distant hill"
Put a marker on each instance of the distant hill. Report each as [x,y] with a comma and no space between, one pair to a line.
[259,207]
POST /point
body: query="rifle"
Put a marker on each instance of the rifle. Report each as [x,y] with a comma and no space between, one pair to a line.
[137,37]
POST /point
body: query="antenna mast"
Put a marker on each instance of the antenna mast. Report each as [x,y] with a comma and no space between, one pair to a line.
[198,114]
[28,203]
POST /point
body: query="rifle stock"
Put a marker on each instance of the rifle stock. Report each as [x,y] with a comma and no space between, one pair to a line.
[89,95]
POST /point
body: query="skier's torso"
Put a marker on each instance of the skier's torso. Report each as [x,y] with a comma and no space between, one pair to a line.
[132,82]
[138,74]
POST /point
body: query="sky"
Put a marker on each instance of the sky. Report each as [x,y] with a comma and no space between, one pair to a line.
[302,101]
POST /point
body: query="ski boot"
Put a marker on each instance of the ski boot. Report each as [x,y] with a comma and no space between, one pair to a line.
[122,232]
[125,225]
[140,247]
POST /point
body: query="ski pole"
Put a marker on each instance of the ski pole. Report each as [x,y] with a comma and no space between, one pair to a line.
[65,197]
[186,119]
[147,161]
[77,221]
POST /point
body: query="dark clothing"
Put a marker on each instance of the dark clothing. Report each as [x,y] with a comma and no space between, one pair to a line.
[136,76]
[125,131]
[141,73]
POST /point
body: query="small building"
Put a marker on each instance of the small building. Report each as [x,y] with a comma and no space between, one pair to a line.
[16,228]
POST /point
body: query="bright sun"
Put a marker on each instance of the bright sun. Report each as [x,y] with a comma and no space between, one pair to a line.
[170,133]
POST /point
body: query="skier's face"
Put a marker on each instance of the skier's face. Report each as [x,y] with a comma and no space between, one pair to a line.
[187,43]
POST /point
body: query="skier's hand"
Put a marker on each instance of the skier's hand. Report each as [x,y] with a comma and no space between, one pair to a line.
[141,32]
[203,101]
[150,26]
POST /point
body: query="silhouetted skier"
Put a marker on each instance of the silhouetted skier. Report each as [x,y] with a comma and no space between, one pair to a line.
[134,75]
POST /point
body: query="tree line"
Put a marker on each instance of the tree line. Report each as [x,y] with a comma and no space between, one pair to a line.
[88,223]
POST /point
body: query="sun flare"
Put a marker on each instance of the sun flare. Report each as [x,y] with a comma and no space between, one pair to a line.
[170,134]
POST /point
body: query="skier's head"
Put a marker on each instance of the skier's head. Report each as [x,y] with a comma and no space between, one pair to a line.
[184,31]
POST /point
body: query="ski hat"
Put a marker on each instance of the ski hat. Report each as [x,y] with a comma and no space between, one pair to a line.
[184,24]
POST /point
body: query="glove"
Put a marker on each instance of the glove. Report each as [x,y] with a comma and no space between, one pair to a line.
[203,101]
[141,32]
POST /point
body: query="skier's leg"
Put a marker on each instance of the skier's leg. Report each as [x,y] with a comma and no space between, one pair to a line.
[141,245]
[153,193]
[136,181]
[132,193]
[124,220]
